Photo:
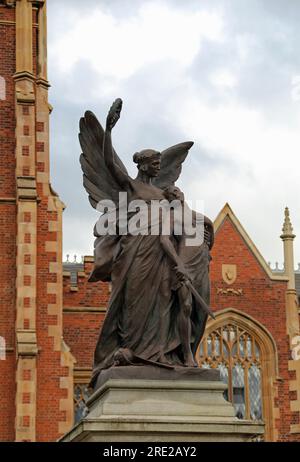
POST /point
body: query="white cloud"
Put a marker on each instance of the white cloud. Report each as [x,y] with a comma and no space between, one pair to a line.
[295,88]
[224,78]
[119,47]
[262,160]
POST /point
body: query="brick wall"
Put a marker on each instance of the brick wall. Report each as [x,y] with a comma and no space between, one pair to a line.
[84,310]
[7,224]
[81,330]
[263,299]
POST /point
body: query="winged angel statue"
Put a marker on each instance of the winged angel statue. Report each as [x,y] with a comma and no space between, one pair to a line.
[160,287]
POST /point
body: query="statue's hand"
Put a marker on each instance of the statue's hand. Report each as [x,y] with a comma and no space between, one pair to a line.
[206,235]
[114,114]
[181,273]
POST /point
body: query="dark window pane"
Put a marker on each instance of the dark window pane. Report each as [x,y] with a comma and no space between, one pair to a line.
[238,391]
[81,395]
[255,393]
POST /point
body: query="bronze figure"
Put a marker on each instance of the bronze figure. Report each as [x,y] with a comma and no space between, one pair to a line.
[160,286]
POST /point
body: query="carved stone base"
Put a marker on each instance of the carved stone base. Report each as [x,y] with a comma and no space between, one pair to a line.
[130,410]
[157,373]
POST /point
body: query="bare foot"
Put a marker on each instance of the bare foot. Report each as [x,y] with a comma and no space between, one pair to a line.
[162,359]
[190,362]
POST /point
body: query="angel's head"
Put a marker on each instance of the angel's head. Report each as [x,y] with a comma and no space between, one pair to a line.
[148,161]
[172,193]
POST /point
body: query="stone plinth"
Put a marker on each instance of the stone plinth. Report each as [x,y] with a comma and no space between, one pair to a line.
[162,410]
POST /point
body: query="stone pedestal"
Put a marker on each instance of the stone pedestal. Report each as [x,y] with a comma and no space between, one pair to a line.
[188,409]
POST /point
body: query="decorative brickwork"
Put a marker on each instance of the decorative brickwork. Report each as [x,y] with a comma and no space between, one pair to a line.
[31,247]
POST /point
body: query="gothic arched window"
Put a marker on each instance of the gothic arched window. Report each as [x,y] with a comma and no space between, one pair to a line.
[237,355]
[246,355]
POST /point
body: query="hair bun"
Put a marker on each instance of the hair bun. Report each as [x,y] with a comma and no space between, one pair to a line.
[136,157]
[145,155]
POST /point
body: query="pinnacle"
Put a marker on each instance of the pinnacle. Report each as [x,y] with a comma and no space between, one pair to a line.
[287,229]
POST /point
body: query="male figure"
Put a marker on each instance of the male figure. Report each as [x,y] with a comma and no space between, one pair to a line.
[188,260]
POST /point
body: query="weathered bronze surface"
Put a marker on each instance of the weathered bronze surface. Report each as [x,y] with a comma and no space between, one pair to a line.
[160,286]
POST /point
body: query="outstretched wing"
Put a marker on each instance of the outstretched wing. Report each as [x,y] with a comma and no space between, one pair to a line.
[97,178]
[171,164]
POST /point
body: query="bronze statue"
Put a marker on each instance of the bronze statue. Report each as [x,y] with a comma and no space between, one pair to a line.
[160,287]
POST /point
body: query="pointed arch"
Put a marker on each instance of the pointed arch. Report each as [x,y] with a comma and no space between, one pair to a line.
[262,356]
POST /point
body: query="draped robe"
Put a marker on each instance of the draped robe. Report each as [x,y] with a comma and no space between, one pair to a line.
[143,309]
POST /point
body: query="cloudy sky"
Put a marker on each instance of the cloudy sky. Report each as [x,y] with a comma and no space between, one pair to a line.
[224,73]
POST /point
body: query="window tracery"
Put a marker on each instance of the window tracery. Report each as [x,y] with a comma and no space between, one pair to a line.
[81,395]
[236,353]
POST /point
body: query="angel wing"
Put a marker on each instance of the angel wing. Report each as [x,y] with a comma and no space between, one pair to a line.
[171,164]
[97,178]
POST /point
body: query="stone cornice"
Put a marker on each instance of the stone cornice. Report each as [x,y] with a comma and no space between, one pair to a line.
[24,82]
[5,22]
[84,309]
[25,75]
[9,200]
[26,188]
[43,82]
[27,343]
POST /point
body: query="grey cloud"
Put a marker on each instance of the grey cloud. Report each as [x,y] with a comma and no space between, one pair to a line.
[271,30]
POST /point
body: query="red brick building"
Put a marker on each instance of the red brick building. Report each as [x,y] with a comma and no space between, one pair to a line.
[50,315]
[36,376]
[251,340]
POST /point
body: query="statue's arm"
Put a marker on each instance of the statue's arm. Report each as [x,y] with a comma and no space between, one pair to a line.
[120,177]
[169,249]
[113,116]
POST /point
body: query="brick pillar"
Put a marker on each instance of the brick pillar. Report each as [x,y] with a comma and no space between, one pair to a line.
[44,374]
[26,260]
[7,223]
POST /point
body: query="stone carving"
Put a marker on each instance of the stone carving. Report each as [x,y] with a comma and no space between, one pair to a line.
[229,273]
[160,285]
[230,291]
